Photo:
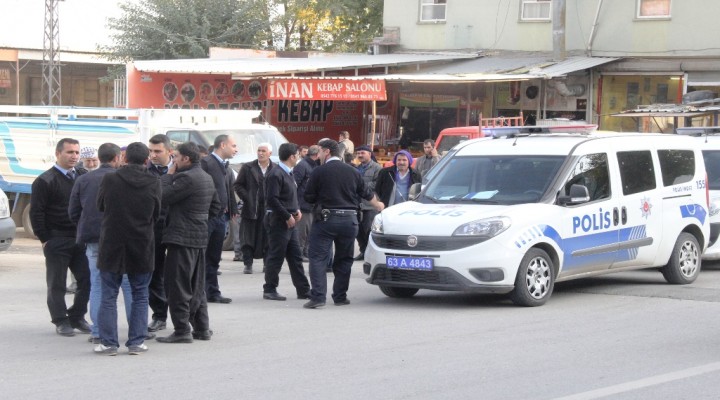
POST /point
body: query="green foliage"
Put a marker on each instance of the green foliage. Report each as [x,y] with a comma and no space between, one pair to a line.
[175,29]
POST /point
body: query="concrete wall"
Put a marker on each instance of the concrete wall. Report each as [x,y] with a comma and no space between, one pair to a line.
[490,24]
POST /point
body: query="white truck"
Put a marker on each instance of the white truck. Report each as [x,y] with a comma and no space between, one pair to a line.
[28,135]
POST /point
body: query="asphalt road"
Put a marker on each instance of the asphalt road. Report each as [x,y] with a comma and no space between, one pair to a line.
[623,336]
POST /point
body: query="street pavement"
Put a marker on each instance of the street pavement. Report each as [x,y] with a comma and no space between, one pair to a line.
[621,336]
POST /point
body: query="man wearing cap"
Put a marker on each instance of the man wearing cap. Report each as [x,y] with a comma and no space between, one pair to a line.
[393,183]
[89,158]
[369,171]
[336,189]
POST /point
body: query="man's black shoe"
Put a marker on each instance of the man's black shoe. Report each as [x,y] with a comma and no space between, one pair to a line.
[237,258]
[156,325]
[219,299]
[248,269]
[304,296]
[314,304]
[81,325]
[202,335]
[64,329]
[359,257]
[342,302]
[274,296]
[175,338]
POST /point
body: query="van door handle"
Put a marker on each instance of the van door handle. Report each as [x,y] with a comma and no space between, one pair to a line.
[616,216]
[624,215]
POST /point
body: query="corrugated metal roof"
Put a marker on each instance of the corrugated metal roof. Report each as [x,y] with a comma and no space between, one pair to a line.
[495,68]
[269,66]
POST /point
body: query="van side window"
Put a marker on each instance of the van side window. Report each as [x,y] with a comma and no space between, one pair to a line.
[178,137]
[637,172]
[676,166]
[592,171]
[712,167]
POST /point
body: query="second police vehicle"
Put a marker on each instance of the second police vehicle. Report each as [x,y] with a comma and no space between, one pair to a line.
[519,210]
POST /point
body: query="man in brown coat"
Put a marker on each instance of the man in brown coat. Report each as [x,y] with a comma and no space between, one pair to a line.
[130,200]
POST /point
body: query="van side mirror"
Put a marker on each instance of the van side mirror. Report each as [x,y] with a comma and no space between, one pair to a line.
[414,191]
[578,194]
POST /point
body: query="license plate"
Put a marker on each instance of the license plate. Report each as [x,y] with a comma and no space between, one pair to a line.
[422,264]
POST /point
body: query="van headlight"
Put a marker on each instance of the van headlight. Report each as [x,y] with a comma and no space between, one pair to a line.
[4,206]
[487,227]
[714,207]
[377,225]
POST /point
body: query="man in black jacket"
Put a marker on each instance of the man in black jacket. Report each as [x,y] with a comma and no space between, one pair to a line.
[190,194]
[51,223]
[130,202]
[250,187]
[161,159]
[282,215]
[301,173]
[393,183]
[217,166]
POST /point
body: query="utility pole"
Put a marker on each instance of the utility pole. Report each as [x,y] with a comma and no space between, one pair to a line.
[51,82]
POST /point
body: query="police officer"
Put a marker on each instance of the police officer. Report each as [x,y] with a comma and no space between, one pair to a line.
[336,189]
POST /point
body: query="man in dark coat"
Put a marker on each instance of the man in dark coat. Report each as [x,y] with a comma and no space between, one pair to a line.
[190,194]
[84,212]
[250,187]
[301,173]
[217,166]
[130,201]
[393,183]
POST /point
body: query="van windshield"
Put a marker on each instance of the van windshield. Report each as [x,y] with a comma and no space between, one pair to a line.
[501,180]
[247,140]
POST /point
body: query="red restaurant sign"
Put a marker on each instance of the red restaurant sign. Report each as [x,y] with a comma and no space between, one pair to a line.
[326,89]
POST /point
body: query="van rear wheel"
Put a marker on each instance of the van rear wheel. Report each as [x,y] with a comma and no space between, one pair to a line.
[398,292]
[27,225]
[535,279]
[685,261]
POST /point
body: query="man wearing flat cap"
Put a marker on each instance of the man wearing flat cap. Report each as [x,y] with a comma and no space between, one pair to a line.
[369,171]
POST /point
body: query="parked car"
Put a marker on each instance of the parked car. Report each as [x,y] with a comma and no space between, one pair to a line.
[7,225]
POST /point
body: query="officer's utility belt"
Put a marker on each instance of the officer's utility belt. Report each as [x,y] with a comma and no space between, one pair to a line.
[325,213]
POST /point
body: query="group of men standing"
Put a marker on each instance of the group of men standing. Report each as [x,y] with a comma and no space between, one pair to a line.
[153,220]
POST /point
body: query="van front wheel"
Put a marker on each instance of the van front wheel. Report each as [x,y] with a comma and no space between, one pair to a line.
[535,279]
[685,261]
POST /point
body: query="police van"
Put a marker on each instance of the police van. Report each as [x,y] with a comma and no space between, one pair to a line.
[708,138]
[522,209]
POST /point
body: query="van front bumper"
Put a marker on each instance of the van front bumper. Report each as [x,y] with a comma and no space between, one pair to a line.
[440,278]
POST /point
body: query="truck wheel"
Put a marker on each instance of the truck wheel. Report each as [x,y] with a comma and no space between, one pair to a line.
[27,225]
[229,243]
[685,262]
[535,279]
[398,292]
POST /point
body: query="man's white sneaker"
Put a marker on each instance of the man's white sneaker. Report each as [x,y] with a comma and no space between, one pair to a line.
[105,350]
[138,349]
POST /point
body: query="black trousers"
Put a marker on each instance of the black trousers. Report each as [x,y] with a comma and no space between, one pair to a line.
[61,254]
[365,227]
[216,237]
[283,243]
[340,230]
[156,290]
[185,288]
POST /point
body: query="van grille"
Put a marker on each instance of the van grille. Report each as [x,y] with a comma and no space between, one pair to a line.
[425,243]
[438,277]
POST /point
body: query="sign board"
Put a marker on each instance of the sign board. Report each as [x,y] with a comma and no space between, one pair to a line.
[326,89]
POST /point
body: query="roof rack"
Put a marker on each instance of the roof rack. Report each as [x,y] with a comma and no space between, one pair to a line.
[513,131]
[698,130]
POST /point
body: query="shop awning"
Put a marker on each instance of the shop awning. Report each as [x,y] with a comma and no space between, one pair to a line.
[241,68]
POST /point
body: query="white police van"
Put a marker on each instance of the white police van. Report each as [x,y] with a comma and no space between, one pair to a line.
[519,211]
[708,138]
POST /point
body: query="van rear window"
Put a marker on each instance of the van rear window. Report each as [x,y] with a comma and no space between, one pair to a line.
[637,172]
[677,166]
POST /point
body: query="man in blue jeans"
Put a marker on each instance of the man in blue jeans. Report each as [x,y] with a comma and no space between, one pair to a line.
[130,200]
[85,214]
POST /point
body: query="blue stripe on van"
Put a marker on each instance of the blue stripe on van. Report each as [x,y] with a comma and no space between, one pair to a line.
[11,155]
[694,211]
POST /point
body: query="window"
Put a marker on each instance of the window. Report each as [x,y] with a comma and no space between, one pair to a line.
[535,10]
[677,166]
[712,165]
[653,9]
[432,10]
[592,172]
[637,171]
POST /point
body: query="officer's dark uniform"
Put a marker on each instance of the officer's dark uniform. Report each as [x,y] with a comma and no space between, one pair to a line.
[283,242]
[336,189]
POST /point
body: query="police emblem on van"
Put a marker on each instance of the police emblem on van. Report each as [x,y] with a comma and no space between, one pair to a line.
[412,241]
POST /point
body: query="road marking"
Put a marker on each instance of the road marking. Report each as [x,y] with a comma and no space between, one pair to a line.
[642,383]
